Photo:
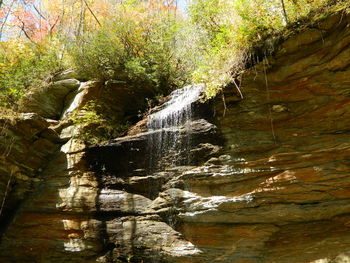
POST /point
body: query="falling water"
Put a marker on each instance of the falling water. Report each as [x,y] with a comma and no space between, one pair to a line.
[166,125]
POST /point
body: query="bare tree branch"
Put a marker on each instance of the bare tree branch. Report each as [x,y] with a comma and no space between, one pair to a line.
[285,16]
[54,25]
[6,17]
[25,33]
[92,12]
[40,14]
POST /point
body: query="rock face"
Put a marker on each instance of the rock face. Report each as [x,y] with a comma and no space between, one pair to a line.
[25,145]
[46,190]
[268,180]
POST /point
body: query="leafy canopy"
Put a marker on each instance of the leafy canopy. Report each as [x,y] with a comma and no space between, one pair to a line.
[148,44]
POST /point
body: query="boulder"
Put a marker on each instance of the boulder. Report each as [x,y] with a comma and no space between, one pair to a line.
[47,101]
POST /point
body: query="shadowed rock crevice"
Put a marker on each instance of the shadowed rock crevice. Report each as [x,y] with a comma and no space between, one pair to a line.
[267,180]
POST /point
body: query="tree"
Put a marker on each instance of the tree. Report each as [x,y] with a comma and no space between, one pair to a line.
[285,16]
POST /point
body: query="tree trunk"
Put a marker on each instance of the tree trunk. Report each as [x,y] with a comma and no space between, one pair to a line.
[285,16]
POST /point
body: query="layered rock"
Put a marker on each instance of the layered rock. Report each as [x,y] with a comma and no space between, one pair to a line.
[267,181]
[67,216]
[26,142]
[280,192]
[277,191]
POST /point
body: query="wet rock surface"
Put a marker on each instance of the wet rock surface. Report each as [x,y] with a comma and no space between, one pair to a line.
[268,179]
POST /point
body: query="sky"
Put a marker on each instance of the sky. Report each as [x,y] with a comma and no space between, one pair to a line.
[182,5]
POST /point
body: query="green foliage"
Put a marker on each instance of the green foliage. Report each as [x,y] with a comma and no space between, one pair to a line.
[93,126]
[231,29]
[136,46]
[151,46]
[24,65]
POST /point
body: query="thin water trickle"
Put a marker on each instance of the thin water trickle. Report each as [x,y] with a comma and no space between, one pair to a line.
[165,125]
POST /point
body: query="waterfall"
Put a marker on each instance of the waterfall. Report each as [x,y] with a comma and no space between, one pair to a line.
[171,122]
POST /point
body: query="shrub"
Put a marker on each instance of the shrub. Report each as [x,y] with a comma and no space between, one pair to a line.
[232,29]
[148,44]
[24,65]
[136,46]
[93,126]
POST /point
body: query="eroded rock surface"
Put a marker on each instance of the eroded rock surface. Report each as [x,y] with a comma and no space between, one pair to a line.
[268,179]
[25,144]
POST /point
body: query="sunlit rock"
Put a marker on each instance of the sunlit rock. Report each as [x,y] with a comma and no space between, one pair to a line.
[263,180]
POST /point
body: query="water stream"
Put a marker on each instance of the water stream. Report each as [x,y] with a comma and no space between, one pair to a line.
[170,123]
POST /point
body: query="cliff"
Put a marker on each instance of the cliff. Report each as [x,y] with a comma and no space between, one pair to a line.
[265,178]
